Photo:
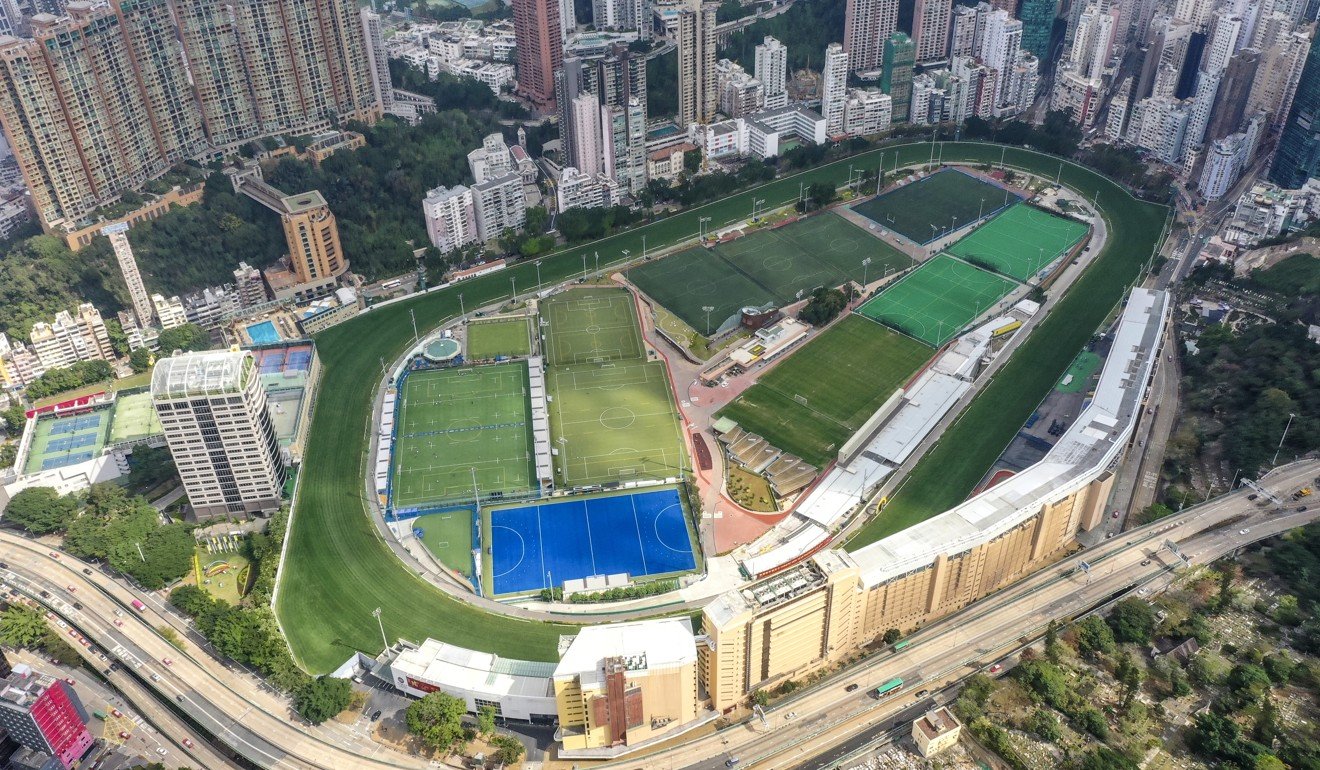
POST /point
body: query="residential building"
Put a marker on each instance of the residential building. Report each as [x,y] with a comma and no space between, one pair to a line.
[623,128]
[834,88]
[588,151]
[491,159]
[896,78]
[868,111]
[499,205]
[45,714]
[1234,92]
[540,47]
[378,62]
[170,312]
[580,190]
[249,285]
[935,731]
[312,235]
[1223,166]
[619,15]
[137,291]
[1298,156]
[999,50]
[930,30]
[213,410]
[772,72]
[867,25]
[698,97]
[1278,76]
[18,364]
[1037,17]
[451,220]
[71,338]
[740,93]
[968,28]
[620,685]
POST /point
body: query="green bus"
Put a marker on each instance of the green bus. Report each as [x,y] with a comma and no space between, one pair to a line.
[900,646]
[888,688]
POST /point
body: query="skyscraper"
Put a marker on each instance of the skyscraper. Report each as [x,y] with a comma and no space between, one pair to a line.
[1037,17]
[44,714]
[999,50]
[137,292]
[1298,156]
[896,79]
[540,43]
[1234,91]
[772,71]
[1278,76]
[698,97]
[930,30]
[377,58]
[867,25]
[588,145]
[834,88]
[212,407]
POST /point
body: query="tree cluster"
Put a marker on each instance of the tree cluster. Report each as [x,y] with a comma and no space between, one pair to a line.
[67,378]
[25,626]
[825,305]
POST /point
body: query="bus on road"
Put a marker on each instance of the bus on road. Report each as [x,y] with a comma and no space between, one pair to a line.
[888,688]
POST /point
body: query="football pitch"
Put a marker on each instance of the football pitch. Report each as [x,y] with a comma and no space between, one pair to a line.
[614,422]
[926,209]
[812,402]
[934,302]
[770,266]
[591,326]
[506,337]
[455,424]
[1020,242]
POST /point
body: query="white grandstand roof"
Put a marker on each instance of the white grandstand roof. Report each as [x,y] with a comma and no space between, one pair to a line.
[200,374]
[1090,445]
[928,400]
[477,672]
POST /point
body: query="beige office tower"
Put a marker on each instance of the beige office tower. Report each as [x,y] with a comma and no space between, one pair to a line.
[698,94]
[156,53]
[867,23]
[212,407]
[312,236]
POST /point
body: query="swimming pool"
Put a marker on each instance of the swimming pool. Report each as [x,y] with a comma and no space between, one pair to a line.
[263,333]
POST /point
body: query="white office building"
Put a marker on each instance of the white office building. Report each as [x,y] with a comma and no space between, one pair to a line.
[834,88]
[218,426]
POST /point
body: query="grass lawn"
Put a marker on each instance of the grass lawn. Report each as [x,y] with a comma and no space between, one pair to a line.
[337,569]
[689,281]
[222,575]
[506,337]
[1020,242]
[130,382]
[591,326]
[923,210]
[750,490]
[934,302]
[448,536]
[844,375]
[948,473]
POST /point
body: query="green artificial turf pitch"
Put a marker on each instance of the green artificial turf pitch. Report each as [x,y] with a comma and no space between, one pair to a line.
[506,337]
[338,569]
[934,302]
[617,422]
[591,326]
[927,208]
[843,375]
[448,536]
[1020,242]
[769,266]
[452,421]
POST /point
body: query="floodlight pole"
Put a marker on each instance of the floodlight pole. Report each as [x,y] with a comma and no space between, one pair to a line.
[538,276]
[476,493]
[597,264]
[1282,439]
[514,282]
[413,316]
[381,623]
[584,265]
[708,309]
[563,459]
[643,245]
[981,211]
[462,312]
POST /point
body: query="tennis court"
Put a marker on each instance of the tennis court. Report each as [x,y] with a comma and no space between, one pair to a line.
[1020,242]
[542,546]
[930,207]
[770,266]
[63,441]
[505,337]
[934,302]
[462,427]
[591,325]
[813,401]
[614,422]
[448,536]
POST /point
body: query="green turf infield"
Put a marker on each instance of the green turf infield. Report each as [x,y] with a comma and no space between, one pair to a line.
[504,337]
[813,401]
[929,207]
[934,302]
[338,569]
[1020,242]
[457,423]
[448,536]
[769,266]
[617,422]
[591,325]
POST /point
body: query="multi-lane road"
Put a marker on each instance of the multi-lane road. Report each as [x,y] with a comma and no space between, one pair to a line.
[230,703]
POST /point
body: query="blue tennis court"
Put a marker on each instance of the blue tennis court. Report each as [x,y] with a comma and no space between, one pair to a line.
[72,442]
[70,459]
[76,424]
[539,546]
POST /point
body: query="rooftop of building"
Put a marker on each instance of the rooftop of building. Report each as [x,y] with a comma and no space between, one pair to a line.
[513,177]
[937,722]
[201,373]
[23,686]
[779,589]
[437,662]
[640,646]
[304,201]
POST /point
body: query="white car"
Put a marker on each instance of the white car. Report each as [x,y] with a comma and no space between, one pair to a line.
[1244,531]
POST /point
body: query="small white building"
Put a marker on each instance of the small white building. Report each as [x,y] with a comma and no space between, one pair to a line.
[518,689]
